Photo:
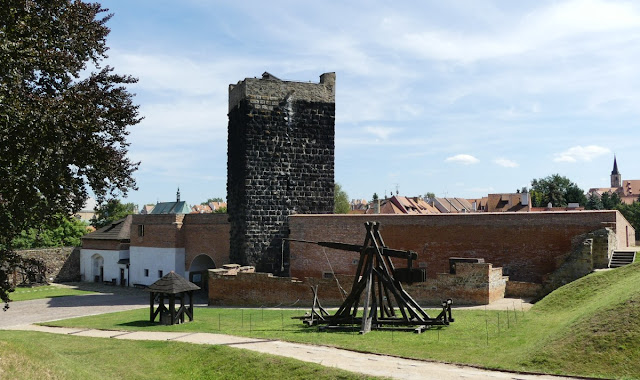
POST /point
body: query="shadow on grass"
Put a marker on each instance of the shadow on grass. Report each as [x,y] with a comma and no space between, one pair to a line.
[139,324]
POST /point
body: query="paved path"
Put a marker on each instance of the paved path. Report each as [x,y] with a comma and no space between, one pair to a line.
[22,315]
[50,309]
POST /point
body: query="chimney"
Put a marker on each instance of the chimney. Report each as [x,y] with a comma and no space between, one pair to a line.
[376,206]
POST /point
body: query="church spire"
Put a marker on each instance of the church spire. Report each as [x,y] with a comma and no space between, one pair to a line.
[615,166]
[616,178]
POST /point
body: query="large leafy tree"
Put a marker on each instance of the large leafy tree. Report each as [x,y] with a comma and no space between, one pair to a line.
[557,190]
[65,232]
[341,200]
[111,211]
[594,202]
[63,116]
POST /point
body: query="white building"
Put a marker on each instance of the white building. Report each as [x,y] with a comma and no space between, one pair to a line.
[105,254]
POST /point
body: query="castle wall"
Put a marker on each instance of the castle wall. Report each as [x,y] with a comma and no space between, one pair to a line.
[62,263]
[206,234]
[529,246]
[280,162]
[473,284]
[158,230]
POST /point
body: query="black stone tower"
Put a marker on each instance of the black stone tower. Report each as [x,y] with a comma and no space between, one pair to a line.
[280,161]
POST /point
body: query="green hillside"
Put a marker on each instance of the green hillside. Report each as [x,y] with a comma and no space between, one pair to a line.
[601,318]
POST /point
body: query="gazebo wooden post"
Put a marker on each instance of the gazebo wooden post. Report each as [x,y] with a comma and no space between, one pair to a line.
[172,308]
[152,316]
[190,307]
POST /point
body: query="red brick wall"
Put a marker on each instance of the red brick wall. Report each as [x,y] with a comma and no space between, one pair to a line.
[518,289]
[529,245]
[473,284]
[206,234]
[160,231]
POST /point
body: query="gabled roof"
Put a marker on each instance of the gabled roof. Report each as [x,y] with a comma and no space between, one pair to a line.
[217,205]
[631,187]
[201,209]
[118,230]
[404,205]
[171,208]
[172,283]
[146,209]
[509,202]
[452,205]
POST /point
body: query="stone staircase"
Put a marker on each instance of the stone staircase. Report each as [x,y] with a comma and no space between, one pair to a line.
[621,258]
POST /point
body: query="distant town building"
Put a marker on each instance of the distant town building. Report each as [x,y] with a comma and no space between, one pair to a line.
[216,206]
[402,205]
[453,205]
[359,204]
[627,190]
[201,209]
[146,209]
[177,207]
[88,210]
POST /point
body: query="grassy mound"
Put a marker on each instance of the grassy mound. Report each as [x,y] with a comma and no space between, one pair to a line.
[601,318]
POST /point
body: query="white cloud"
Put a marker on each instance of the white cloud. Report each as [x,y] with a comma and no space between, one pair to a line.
[506,163]
[536,30]
[465,159]
[182,75]
[380,132]
[581,153]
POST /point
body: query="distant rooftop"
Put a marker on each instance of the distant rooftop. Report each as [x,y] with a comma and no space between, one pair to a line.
[171,208]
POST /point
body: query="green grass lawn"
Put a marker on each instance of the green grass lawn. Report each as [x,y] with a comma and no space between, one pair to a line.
[589,328]
[30,355]
[45,291]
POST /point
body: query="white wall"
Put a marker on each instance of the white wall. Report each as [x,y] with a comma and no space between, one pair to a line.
[111,268]
[154,259]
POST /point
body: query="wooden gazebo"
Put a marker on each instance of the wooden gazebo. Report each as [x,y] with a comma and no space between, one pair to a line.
[171,287]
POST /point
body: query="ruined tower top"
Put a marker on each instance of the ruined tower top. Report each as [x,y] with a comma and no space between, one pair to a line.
[280,151]
[269,90]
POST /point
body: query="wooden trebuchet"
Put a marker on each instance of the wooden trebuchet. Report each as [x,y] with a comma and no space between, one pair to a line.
[385,304]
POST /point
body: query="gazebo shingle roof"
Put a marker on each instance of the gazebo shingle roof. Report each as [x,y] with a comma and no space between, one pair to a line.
[172,283]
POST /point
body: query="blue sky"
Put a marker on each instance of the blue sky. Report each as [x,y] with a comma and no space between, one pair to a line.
[459,98]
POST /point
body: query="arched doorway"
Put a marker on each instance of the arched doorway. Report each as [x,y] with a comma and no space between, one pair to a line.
[198,270]
[97,268]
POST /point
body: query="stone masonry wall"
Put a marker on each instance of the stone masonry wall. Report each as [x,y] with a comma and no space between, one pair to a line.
[63,263]
[578,264]
[280,162]
[605,242]
[473,284]
[529,246]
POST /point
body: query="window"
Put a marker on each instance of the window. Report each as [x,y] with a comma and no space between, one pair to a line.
[141,230]
[146,272]
[160,274]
